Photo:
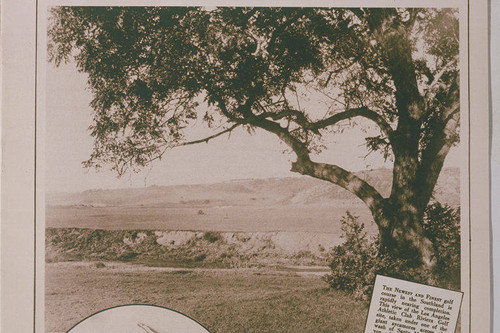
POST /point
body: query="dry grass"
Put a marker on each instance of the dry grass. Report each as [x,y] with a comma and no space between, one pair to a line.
[228,301]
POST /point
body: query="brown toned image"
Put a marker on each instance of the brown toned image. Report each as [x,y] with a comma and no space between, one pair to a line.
[254,168]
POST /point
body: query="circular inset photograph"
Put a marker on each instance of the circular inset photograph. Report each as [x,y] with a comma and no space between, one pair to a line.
[138,319]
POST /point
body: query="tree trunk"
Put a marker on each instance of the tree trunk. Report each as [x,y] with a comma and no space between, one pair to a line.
[399,218]
[404,235]
[404,210]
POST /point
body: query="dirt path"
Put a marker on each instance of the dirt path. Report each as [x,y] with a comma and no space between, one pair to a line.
[120,267]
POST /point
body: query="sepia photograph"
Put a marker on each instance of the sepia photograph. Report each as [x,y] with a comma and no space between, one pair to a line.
[254,168]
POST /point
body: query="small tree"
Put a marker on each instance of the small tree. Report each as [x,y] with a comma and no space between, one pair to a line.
[151,69]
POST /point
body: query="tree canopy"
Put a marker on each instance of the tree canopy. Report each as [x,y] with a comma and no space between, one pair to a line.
[152,69]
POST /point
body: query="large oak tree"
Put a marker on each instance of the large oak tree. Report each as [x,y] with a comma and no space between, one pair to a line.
[151,70]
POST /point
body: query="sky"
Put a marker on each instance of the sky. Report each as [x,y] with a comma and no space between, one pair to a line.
[67,142]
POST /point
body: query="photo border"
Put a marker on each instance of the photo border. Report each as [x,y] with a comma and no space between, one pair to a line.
[22,186]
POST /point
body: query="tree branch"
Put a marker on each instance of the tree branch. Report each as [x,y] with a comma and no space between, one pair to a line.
[434,155]
[227,130]
[295,144]
[431,90]
[166,146]
[224,110]
[299,117]
[332,173]
[345,179]
[351,113]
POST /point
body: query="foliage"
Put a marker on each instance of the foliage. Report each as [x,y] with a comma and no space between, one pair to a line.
[442,227]
[298,73]
[150,68]
[212,236]
[357,261]
[351,259]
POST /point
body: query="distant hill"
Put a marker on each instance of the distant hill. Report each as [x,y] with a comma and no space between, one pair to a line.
[249,192]
[301,204]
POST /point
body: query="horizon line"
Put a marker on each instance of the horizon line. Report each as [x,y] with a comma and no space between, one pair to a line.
[207,183]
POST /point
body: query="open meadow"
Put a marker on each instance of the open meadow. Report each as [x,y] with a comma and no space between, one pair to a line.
[223,300]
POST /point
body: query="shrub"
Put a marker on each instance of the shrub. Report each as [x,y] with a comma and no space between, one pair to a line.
[357,261]
[442,227]
[127,255]
[200,257]
[99,265]
[212,236]
[353,262]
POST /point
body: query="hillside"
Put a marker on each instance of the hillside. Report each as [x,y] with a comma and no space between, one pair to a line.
[300,204]
[293,190]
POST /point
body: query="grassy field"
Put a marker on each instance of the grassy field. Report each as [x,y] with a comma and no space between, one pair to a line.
[224,301]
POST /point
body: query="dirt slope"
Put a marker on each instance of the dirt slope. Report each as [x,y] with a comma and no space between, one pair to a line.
[180,248]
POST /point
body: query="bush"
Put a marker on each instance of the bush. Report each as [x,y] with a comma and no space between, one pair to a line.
[99,265]
[351,259]
[357,261]
[200,257]
[212,236]
[442,227]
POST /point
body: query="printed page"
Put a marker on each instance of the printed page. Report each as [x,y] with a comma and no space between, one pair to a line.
[245,167]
